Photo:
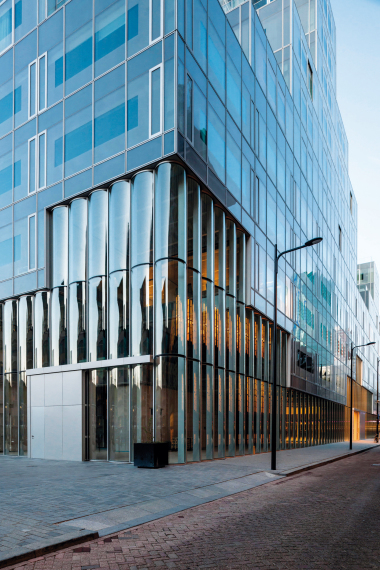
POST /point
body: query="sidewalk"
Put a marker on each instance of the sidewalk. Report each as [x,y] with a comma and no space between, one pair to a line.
[49,504]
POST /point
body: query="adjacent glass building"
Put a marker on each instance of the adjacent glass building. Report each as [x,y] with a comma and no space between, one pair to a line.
[153,155]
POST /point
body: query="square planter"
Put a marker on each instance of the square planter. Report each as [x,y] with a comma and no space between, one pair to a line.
[151,455]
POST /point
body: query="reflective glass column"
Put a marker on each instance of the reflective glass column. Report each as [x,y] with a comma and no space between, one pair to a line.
[142,263]
[119,418]
[59,279]
[10,323]
[97,409]
[142,406]
[232,396]
[219,409]
[25,333]
[23,416]
[77,280]
[193,418]
[97,271]
[119,221]
[41,329]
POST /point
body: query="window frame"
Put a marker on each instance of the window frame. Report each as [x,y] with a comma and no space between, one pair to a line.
[31,116]
[189,76]
[35,139]
[44,55]
[39,187]
[160,67]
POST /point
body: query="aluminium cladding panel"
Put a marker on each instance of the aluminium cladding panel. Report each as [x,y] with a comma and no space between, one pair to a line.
[55,411]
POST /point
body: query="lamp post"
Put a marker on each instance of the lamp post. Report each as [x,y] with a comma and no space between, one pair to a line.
[352,360]
[309,243]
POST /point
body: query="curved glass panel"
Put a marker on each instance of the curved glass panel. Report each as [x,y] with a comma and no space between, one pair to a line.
[97,409]
[77,240]
[231,258]
[193,287]
[10,414]
[41,329]
[142,219]
[77,323]
[170,406]
[207,321]
[59,246]
[219,405]
[249,342]
[10,336]
[219,327]
[230,414]
[230,333]
[170,307]
[193,224]
[118,295]
[97,233]
[118,395]
[119,226]
[58,332]
[25,333]
[220,248]
[240,338]
[142,310]
[142,404]
[22,405]
[207,423]
[170,211]
[207,237]
[193,410]
[240,393]
[97,319]
[240,266]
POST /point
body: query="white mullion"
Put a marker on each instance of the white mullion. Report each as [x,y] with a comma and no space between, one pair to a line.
[44,55]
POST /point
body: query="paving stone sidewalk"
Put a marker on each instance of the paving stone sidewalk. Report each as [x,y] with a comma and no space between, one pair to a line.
[323,519]
[49,502]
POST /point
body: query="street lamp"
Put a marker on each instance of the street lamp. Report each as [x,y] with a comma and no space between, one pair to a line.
[309,243]
[352,360]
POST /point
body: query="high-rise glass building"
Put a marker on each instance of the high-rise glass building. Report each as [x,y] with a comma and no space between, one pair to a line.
[153,155]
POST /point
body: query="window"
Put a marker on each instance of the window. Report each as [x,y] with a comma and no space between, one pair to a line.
[155,115]
[351,202]
[340,238]
[32,165]
[31,242]
[310,79]
[42,160]
[37,85]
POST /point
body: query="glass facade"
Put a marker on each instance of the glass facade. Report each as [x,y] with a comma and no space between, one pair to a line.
[153,155]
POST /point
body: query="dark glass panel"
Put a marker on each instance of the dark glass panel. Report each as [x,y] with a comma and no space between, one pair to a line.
[193,411]
[119,394]
[98,414]
[207,423]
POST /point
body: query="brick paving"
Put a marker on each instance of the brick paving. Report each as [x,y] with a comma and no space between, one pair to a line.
[327,518]
[48,502]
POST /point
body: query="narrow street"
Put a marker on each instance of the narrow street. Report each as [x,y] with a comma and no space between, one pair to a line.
[326,518]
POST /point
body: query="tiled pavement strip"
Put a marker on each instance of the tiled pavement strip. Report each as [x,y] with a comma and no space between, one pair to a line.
[46,502]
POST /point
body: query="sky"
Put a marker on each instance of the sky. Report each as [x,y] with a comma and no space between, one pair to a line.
[358,93]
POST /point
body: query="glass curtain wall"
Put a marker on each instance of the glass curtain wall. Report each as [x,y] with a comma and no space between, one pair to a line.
[59,280]
[77,280]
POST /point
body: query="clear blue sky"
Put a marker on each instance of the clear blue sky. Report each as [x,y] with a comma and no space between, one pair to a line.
[358,92]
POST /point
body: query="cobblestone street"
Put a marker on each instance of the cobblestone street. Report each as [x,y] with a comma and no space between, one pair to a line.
[324,518]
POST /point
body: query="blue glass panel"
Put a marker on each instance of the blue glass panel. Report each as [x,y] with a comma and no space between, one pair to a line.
[169,83]
[6,239]
[78,183]
[233,168]
[110,37]
[216,61]
[110,114]
[200,34]
[109,169]
[78,127]
[216,143]
[78,57]
[6,92]
[50,40]
[138,25]
[25,17]
[169,142]
[144,153]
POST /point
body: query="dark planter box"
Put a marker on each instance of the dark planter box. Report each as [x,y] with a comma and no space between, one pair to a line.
[151,455]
